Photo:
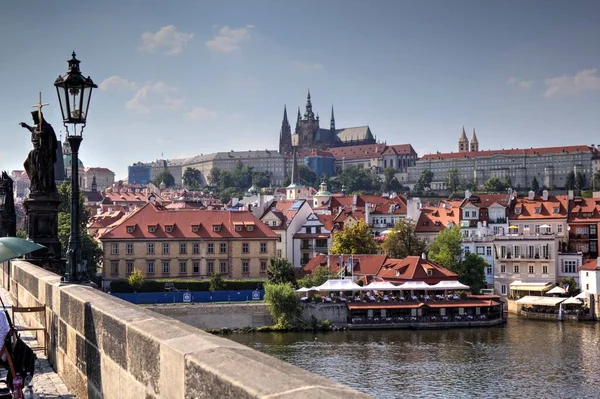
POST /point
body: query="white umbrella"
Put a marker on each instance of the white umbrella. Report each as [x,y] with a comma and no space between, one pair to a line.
[557,290]
[572,301]
[581,295]
[303,289]
[545,226]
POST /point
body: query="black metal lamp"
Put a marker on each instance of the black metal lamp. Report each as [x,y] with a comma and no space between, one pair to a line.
[74,94]
[2,199]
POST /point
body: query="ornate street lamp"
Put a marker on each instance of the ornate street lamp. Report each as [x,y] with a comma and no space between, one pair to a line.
[74,94]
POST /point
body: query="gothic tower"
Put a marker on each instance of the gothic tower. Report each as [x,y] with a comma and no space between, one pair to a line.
[285,135]
[308,126]
[474,142]
[463,142]
[332,123]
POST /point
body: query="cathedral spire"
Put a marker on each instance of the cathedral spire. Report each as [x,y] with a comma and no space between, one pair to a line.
[332,123]
[474,142]
[309,114]
[285,134]
[463,142]
[294,167]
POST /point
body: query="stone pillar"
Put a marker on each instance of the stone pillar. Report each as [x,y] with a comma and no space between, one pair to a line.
[42,228]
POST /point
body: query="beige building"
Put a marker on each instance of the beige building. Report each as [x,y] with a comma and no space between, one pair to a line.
[102,177]
[187,243]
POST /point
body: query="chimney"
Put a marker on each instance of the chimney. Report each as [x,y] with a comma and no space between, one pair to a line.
[545,195]
[467,194]
[531,195]
[424,256]
[570,194]
[367,212]
[354,201]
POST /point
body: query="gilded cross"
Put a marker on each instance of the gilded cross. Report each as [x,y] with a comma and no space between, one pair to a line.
[39,106]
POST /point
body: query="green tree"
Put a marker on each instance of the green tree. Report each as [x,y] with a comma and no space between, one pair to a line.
[573,288]
[281,270]
[471,271]
[470,184]
[579,181]
[570,181]
[286,181]
[165,177]
[390,182]
[535,185]
[403,241]
[355,179]
[192,179]
[136,279]
[596,181]
[262,179]
[356,239]
[493,185]
[507,182]
[229,193]
[452,181]
[424,180]
[283,304]
[214,177]
[446,248]
[91,252]
[316,278]
[216,282]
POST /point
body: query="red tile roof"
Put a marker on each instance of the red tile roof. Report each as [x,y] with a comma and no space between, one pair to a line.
[284,212]
[327,221]
[436,219]
[182,222]
[582,206]
[515,151]
[540,209]
[487,200]
[590,264]
[370,151]
[414,268]
[363,264]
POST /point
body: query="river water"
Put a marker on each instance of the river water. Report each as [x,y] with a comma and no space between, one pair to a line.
[524,358]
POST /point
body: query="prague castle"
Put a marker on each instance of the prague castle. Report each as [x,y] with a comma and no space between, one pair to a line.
[308,135]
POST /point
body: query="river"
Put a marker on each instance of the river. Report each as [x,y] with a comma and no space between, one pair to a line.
[524,358]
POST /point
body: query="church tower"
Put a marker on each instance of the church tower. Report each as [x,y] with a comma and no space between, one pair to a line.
[474,142]
[332,122]
[285,135]
[463,142]
[308,126]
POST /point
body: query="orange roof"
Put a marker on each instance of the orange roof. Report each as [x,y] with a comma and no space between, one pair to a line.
[515,151]
[370,151]
[363,264]
[327,221]
[283,210]
[487,200]
[585,210]
[105,219]
[436,219]
[182,222]
[537,208]
[385,305]
[414,268]
[395,206]
[125,196]
[590,264]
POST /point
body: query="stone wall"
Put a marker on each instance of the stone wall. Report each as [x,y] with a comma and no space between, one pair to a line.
[235,315]
[336,313]
[104,347]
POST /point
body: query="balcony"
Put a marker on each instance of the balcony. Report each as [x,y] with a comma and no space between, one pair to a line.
[497,221]
[306,246]
[322,249]
[524,257]
[573,236]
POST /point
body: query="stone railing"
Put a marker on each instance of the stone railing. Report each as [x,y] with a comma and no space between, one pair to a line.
[104,347]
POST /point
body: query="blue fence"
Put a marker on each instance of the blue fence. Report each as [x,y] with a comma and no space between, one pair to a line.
[195,296]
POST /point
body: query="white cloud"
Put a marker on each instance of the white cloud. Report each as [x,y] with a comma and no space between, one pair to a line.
[167,39]
[304,67]
[116,83]
[201,113]
[523,84]
[582,81]
[154,96]
[229,39]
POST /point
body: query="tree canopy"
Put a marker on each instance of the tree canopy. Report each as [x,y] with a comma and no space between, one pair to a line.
[390,182]
[316,278]
[446,248]
[192,179]
[471,271]
[424,180]
[535,185]
[281,270]
[356,239]
[452,181]
[355,179]
[494,185]
[570,181]
[165,177]
[403,241]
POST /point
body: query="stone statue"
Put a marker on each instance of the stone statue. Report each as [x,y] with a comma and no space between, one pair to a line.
[8,216]
[39,164]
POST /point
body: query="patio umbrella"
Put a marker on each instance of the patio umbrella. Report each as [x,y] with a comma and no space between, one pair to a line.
[13,247]
[572,301]
[557,290]
[581,295]
[513,227]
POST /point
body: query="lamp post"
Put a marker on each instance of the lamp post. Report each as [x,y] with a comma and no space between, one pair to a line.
[74,94]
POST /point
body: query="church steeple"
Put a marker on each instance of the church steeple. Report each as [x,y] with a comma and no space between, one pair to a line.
[463,142]
[94,185]
[474,142]
[332,123]
[309,114]
[285,134]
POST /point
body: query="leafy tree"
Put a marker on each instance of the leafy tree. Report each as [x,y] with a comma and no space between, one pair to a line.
[507,182]
[286,181]
[471,271]
[493,185]
[355,179]
[192,179]
[596,181]
[216,282]
[573,288]
[390,182]
[165,177]
[470,184]
[452,181]
[446,249]
[283,304]
[579,181]
[316,278]
[136,279]
[214,177]
[229,193]
[570,181]
[535,185]
[403,241]
[262,179]
[281,270]
[90,250]
[424,180]
[356,239]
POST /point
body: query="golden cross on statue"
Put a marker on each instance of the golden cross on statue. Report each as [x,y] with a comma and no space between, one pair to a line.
[39,106]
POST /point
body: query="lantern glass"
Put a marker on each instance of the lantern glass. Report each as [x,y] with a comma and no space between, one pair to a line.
[2,199]
[74,94]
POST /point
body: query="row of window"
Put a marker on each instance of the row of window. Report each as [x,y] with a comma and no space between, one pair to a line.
[530,269]
[183,267]
[150,250]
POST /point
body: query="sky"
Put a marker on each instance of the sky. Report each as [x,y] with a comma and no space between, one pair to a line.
[183,78]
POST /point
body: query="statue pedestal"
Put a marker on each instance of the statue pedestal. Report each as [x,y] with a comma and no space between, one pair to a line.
[42,228]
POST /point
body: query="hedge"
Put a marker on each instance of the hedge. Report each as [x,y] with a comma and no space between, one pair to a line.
[122,286]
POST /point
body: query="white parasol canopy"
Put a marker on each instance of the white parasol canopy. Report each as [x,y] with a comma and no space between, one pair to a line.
[303,289]
[450,285]
[581,295]
[339,285]
[415,285]
[572,301]
[557,290]
[382,286]
[545,226]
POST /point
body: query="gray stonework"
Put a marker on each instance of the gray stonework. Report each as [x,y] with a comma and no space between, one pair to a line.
[238,315]
[104,347]
[336,313]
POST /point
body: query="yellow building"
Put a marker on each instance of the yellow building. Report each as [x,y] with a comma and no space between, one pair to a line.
[187,243]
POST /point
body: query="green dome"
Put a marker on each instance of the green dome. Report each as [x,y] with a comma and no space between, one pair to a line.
[67,161]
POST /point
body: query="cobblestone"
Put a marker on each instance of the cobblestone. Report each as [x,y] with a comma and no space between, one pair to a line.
[46,383]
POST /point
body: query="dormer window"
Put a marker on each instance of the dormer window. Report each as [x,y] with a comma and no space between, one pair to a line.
[556,209]
[250,227]
[195,228]
[152,229]
[130,229]
[169,228]
[430,272]
[238,227]
[397,273]
[538,210]
[216,228]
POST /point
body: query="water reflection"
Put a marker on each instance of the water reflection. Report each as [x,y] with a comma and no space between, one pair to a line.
[523,359]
